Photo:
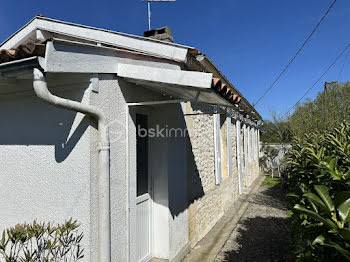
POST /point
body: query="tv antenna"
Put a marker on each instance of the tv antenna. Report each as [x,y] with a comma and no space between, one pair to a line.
[149,9]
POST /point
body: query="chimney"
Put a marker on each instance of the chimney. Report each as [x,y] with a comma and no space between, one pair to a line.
[164,34]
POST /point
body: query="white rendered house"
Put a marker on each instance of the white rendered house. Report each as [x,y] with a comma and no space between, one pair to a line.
[144,142]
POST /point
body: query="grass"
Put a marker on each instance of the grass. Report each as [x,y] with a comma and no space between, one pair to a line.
[271,182]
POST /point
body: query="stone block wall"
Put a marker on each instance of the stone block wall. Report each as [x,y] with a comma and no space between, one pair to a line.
[253,164]
[204,199]
[235,174]
[202,143]
[207,200]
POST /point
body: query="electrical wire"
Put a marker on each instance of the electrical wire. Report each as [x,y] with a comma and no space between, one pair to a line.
[296,54]
[318,79]
[342,68]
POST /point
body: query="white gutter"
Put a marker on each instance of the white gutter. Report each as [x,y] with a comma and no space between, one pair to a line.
[40,88]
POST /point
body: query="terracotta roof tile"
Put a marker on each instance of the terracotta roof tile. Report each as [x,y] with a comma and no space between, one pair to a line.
[24,51]
[224,91]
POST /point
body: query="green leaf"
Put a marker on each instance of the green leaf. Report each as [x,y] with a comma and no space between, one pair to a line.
[292,195]
[323,193]
[347,175]
[319,240]
[333,164]
[344,252]
[343,201]
[320,154]
[315,199]
[316,216]
[344,233]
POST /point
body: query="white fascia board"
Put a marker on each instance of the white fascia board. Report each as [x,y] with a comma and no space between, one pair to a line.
[147,46]
[21,36]
[166,76]
[73,57]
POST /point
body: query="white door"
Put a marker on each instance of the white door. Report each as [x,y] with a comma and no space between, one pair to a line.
[143,199]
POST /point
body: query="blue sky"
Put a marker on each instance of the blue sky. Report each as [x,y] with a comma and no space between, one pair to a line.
[250,41]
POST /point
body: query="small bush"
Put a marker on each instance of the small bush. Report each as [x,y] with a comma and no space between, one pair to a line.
[42,242]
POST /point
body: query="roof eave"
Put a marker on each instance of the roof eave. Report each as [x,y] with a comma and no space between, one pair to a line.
[208,66]
[29,33]
[20,68]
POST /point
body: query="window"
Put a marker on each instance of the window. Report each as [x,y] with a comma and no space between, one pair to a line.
[142,155]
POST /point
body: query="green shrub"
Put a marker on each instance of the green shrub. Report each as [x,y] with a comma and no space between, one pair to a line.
[319,195]
[42,242]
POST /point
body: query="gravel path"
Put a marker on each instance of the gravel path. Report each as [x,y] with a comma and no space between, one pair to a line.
[262,233]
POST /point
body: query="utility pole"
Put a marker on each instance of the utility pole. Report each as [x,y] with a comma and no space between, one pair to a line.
[149,9]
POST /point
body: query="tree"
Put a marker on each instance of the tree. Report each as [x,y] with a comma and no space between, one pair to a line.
[329,109]
[276,130]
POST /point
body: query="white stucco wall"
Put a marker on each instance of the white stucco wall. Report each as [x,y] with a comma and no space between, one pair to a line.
[44,154]
[159,157]
[111,100]
[169,176]
[177,176]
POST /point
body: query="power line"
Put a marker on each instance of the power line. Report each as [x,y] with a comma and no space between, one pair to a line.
[325,72]
[342,68]
[296,54]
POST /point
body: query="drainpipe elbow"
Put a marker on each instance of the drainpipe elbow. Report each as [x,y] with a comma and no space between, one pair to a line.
[42,91]
[40,88]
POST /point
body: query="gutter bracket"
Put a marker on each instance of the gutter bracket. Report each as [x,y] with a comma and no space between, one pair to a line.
[94,83]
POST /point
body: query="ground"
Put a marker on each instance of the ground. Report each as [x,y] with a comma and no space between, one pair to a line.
[262,232]
[271,182]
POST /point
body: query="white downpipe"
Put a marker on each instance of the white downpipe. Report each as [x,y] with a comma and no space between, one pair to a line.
[127,182]
[40,88]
